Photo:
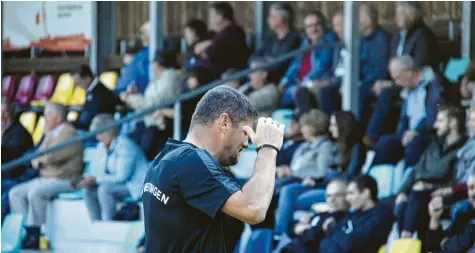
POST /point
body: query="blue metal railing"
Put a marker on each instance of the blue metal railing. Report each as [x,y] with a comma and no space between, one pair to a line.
[177,121]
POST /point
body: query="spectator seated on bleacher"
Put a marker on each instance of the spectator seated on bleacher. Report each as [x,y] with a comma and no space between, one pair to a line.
[346,130]
[283,39]
[292,140]
[312,158]
[227,48]
[122,175]
[460,236]
[262,94]
[16,140]
[56,169]
[345,162]
[416,39]
[167,84]
[368,224]
[312,65]
[309,95]
[464,166]
[312,228]
[374,58]
[308,168]
[137,71]
[99,99]
[421,97]
[195,32]
[467,85]
[434,170]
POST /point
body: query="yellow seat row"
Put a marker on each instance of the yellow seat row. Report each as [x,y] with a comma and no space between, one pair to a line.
[67,94]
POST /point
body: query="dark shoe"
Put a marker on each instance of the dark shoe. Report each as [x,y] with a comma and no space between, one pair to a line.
[32,238]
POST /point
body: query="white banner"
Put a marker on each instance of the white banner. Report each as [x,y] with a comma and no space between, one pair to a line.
[57,26]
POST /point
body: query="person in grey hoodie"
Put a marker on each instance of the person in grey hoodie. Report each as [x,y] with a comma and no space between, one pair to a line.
[435,169]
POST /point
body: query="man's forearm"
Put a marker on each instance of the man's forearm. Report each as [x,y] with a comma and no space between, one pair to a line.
[260,187]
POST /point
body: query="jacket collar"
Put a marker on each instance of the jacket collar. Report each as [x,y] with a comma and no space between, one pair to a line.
[427,76]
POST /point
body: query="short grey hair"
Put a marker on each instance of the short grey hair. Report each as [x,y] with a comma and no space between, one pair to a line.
[101,120]
[402,63]
[285,11]
[59,109]
[219,100]
[371,11]
[412,8]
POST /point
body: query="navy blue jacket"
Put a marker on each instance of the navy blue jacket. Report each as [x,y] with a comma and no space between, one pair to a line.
[460,235]
[99,100]
[360,232]
[15,142]
[273,48]
[374,56]
[309,240]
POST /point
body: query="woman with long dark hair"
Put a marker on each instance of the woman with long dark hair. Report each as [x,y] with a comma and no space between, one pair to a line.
[348,159]
[346,130]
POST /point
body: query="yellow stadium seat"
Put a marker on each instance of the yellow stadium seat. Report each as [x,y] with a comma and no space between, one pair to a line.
[79,97]
[109,79]
[382,249]
[39,130]
[28,120]
[64,89]
[73,116]
[406,246]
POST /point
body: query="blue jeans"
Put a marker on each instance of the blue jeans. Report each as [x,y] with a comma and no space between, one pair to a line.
[411,153]
[384,114]
[287,204]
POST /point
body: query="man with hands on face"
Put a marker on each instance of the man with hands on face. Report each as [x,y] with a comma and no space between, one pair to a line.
[188,191]
[460,236]
[121,173]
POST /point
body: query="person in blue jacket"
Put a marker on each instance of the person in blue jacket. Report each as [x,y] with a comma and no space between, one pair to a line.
[374,58]
[136,73]
[421,96]
[312,65]
[366,228]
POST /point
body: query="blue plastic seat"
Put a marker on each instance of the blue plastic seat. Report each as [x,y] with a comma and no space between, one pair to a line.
[283,116]
[455,68]
[383,174]
[260,241]
[12,233]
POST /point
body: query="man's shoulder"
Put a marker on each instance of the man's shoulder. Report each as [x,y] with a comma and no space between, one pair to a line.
[185,155]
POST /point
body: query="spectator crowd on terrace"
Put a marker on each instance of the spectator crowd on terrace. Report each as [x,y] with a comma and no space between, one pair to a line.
[405,114]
